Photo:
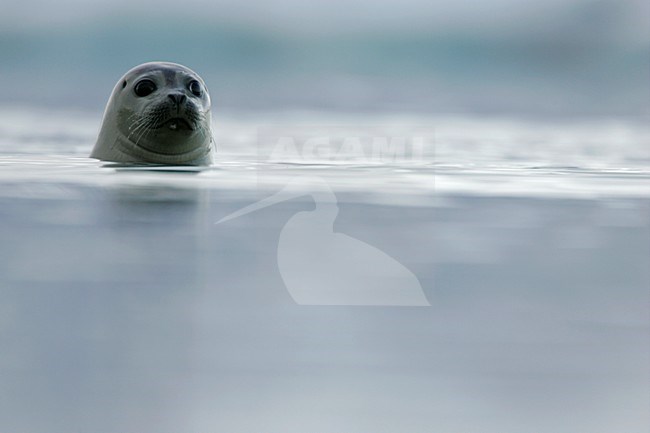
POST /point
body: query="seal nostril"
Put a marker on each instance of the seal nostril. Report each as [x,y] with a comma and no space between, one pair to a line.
[177,98]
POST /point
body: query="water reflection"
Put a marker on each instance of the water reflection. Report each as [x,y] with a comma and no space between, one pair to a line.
[125,308]
[141,314]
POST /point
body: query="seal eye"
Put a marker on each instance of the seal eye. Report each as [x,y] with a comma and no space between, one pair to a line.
[144,88]
[195,88]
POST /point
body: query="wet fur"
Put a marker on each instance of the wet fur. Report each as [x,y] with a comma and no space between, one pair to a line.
[133,128]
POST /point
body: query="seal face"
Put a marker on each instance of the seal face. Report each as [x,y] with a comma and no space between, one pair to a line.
[158,113]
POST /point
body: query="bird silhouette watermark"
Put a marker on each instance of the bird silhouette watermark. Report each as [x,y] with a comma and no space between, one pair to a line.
[318,265]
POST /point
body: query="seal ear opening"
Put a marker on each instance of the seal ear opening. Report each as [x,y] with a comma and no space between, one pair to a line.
[124,84]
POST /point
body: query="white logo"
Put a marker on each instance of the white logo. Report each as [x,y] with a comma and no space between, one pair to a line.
[322,267]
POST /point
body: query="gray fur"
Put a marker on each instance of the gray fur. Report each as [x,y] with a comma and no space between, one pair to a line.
[134,128]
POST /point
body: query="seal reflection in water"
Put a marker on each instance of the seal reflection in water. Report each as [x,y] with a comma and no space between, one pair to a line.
[158,113]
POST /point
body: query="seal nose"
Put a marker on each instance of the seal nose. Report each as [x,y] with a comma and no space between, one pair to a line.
[177,98]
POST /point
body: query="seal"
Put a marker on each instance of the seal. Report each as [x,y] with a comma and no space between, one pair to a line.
[158,113]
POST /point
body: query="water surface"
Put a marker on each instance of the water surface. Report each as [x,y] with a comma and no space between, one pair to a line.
[125,308]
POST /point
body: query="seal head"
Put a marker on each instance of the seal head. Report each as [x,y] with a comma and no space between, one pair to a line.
[158,113]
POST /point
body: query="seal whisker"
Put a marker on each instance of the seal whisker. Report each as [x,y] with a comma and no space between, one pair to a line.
[142,125]
[133,129]
[136,126]
[204,131]
[133,123]
[147,127]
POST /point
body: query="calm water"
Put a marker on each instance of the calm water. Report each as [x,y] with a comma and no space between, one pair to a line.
[125,308]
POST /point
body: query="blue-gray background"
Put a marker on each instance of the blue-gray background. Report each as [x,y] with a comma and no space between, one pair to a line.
[125,309]
[576,57]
